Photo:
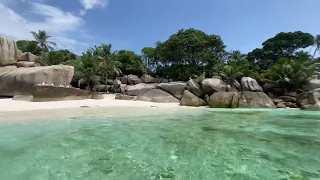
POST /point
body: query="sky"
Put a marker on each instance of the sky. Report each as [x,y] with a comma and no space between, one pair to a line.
[133,24]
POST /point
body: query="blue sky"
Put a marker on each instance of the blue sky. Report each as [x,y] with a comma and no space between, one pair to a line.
[133,24]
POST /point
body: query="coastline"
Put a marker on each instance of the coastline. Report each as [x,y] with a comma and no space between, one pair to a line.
[23,109]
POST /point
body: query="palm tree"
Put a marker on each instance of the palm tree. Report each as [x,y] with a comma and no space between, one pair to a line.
[42,39]
[317,44]
[108,64]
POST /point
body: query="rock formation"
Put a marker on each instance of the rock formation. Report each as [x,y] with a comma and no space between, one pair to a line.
[22,80]
[174,88]
[249,84]
[189,99]
[157,95]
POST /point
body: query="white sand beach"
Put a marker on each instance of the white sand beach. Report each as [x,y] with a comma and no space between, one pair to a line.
[23,108]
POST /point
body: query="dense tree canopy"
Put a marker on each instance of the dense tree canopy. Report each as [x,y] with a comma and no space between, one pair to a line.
[131,63]
[29,46]
[284,44]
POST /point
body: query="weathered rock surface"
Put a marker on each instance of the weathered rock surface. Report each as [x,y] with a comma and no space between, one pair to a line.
[28,56]
[250,84]
[133,79]
[124,79]
[224,100]
[146,78]
[8,51]
[100,88]
[22,80]
[250,99]
[135,90]
[288,98]
[125,97]
[157,95]
[195,88]
[6,69]
[212,85]
[53,93]
[27,64]
[174,88]
[116,83]
[189,99]
[315,80]
[309,100]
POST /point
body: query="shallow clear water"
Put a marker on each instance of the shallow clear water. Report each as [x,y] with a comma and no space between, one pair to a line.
[223,144]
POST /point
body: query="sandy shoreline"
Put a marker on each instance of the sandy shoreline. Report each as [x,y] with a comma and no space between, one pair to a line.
[23,108]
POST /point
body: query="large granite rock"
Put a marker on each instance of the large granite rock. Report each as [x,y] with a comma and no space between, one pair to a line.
[212,85]
[8,51]
[116,83]
[250,99]
[54,93]
[288,98]
[157,95]
[146,78]
[124,79]
[249,84]
[22,80]
[28,56]
[27,64]
[195,88]
[133,79]
[6,69]
[189,99]
[100,88]
[125,97]
[135,90]
[224,100]
[309,100]
[174,88]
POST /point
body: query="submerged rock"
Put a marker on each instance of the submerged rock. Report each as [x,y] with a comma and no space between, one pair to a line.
[157,95]
[189,99]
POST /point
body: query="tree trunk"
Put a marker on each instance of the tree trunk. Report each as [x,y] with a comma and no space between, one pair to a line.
[315,51]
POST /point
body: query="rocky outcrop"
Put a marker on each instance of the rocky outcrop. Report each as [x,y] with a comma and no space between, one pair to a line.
[135,90]
[309,100]
[195,88]
[27,64]
[314,81]
[8,51]
[288,98]
[146,78]
[53,93]
[249,84]
[125,97]
[29,57]
[6,69]
[212,85]
[224,100]
[189,99]
[133,79]
[255,100]
[22,80]
[100,88]
[174,88]
[157,95]
[116,83]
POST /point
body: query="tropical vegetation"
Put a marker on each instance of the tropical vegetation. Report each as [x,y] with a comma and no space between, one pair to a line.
[188,53]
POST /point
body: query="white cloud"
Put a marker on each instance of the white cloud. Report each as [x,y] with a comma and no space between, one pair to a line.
[56,22]
[90,4]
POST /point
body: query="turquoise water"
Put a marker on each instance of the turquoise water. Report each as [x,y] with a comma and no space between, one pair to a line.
[224,144]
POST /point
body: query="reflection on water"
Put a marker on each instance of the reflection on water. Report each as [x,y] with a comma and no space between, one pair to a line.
[224,144]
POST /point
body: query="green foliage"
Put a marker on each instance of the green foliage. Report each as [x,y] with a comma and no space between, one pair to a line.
[42,39]
[190,49]
[290,74]
[149,58]
[57,57]
[284,44]
[131,63]
[317,44]
[29,46]
[201,77]
[236,68]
